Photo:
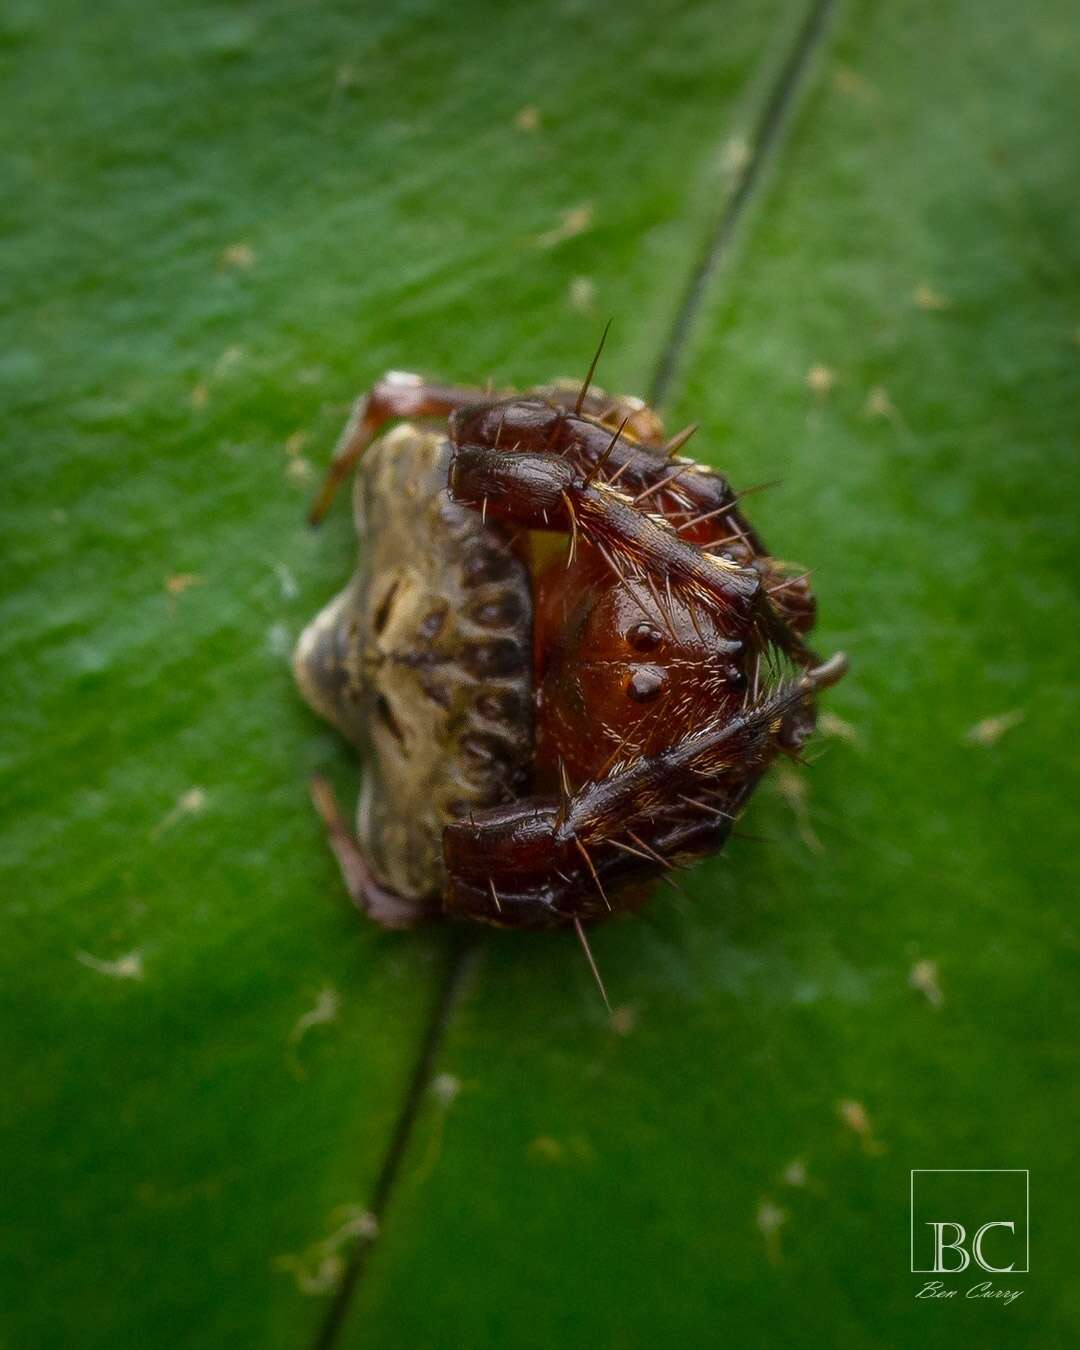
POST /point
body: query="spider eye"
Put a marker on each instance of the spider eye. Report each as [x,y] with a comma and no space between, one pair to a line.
[643,637]
[645,683]
[735,677]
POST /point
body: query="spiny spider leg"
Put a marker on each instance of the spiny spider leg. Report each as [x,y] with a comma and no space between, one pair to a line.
[548,492]
[599,809]
[532,850]
[397,394]
[537,424]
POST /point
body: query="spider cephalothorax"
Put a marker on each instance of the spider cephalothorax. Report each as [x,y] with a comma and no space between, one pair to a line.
[566,651]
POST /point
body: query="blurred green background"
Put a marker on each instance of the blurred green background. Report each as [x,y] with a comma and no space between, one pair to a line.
[844,238]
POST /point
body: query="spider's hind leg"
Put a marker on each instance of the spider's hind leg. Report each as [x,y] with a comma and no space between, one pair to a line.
[385,907]
[397,394]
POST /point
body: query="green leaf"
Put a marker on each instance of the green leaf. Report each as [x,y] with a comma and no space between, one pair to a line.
[223,224]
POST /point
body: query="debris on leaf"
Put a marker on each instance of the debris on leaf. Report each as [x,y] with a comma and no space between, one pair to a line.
[735,155]
[850,82]
[991,729]
[129,967]
[770,1218]
[345,76]
[319,1269]
[179,582]
[855,1117]
[924,977]
[792,788]
[582,294]
[239,255]
[189,803]
[279,640]
[927,298]
[445,1087]
[831,725]
[229,359]
[546,1149]
[575,221]
[289,588]
[820,380]
[879,404]
[527,118]
[326,1008]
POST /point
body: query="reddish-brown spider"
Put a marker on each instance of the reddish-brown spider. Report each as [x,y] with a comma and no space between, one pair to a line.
[566,653]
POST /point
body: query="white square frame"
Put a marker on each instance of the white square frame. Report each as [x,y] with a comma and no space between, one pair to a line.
[1024,1171]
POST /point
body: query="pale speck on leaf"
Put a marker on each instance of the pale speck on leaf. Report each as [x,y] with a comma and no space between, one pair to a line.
[574,221]
[582,294]
[296,442]
[831,725]
[991,729]
[298,470]
[794,1174]
[229,359]
[879,405]
[200,396]
[923,976]
[820,380]
[849,82]
[792,787]
[179,582]
[527,118]
[318,1270]
[278,640]
[445,1087]
[854,1115]
[127,967]
[545,1149]
[325,1010]
[929,299]
[770,1218]
[189,803]
[239,255]
[735,155]
[623,1020]
[289,588]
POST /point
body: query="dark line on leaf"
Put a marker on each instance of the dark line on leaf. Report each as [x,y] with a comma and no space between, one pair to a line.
[766,141]
[460,957]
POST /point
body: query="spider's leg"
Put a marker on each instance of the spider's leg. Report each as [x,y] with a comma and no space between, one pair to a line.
[397,394]
[550,861]
[541,424]
[549,492]
[386,907]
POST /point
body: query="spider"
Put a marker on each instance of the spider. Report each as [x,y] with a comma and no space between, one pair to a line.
[566,653]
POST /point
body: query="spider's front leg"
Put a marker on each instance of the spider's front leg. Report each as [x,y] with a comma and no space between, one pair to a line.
[545,861]
[397,394]
[544,491]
